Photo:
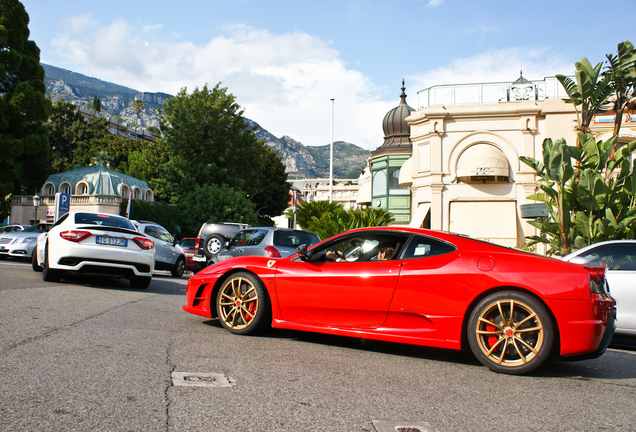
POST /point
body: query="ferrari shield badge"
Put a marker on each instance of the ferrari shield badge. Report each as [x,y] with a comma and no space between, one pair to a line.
[270,263]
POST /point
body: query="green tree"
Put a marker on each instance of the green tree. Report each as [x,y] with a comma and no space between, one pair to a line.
[588,93]
[97,104]
[109,150]
[67,130]
[23,105]
[331,224]
[273,198]
[207,142]
[330,218]
[306,211]
[166,215]
[621,72]
[592,200]
[215,204]
[600,206]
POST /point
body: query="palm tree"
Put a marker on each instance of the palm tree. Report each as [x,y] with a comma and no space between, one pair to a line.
[138,105]
[590,92]
[622,80]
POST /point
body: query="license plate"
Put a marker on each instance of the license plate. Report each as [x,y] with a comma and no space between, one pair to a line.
[111,241]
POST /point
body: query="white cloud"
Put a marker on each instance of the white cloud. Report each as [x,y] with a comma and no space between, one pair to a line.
[282,81]
[435,3]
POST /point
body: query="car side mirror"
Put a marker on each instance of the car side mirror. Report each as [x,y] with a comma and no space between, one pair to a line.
[303,253]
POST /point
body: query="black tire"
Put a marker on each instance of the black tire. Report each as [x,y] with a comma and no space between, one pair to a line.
[179,268]
[49,275]
[34,261]
[140,282]
[242,304]
[510,332]
[213,245]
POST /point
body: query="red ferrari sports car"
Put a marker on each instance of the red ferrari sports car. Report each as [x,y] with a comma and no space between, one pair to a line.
[513,309]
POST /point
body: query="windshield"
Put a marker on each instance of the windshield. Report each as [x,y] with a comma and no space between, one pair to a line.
[37,228]
[103,220]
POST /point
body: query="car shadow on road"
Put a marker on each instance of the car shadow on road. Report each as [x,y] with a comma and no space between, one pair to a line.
[161,284]
[612,365]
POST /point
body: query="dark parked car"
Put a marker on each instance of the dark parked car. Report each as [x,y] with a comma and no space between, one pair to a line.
[211,240]
[268,242]
[187,244]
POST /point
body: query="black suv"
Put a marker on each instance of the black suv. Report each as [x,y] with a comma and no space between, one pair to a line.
[211,240]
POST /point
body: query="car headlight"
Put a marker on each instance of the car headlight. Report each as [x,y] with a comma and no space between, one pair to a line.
[28,240]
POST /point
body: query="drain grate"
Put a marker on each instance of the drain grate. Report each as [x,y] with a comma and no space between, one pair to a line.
[402,426]
[201,379]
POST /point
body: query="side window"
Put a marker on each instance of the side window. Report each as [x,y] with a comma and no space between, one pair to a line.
[257,237]
[164,235]
[365,247]
[151,231]
[617,257]
[241,238]
[421,246]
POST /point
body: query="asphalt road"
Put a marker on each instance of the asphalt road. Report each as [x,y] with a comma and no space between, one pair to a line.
[96,355]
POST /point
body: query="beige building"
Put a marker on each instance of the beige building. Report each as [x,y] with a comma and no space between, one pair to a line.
[465,174]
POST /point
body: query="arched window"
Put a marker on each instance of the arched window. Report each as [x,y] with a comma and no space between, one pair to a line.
[49,189]
[125,192]
[137,193]
[148,195]
[82,189]
[65,188]
[379,183]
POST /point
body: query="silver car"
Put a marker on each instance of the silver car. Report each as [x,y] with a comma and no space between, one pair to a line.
[267,241]
[620,257]
[169,255]
[20,244]
[11,228]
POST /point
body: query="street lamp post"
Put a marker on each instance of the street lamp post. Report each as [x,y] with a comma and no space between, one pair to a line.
[331,157]
[36,204]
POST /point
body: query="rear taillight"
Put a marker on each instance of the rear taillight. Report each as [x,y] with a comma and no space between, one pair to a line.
[75,236]
[196,243]
[144,243]
[597,279]
[272,252]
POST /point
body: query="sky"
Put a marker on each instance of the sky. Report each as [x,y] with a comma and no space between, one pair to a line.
[284,60]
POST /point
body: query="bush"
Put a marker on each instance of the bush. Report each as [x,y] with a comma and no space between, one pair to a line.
[215,204]
[166,215]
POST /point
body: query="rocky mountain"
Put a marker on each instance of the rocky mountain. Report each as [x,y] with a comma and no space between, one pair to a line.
[117,101]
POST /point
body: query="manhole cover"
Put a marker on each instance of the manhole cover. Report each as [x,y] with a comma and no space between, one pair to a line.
[201,379]
[402,426]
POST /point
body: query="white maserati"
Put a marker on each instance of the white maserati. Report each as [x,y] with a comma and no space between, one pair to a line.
[90,243]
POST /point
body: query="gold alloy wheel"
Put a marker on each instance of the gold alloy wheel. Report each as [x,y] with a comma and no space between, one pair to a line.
[509,333]
[238,303]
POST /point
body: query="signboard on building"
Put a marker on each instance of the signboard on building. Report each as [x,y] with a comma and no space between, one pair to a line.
[62,204]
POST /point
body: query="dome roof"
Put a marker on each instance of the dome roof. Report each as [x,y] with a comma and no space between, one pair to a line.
[396,131]
[99,179]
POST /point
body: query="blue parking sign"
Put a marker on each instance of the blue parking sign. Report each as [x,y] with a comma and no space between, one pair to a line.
[62,204]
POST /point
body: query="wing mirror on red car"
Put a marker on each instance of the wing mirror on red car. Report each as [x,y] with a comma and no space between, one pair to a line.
[303,253]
